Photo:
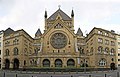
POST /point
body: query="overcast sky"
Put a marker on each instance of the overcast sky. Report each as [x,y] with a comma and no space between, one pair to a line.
[29,14]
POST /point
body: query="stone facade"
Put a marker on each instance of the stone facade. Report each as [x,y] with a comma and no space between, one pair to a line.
[118,50]
[17,47]
[59,46]
[1,49]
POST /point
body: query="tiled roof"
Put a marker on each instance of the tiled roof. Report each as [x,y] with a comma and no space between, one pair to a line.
[79,32]
[38,32]
[8,31]
[61,13]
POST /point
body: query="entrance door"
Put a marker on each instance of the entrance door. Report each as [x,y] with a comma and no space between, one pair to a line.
[7,64]
[112,66]
[16,64]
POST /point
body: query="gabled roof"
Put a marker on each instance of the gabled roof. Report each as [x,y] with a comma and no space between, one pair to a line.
[8,31]
[38,33]
[61,13]
[79,32]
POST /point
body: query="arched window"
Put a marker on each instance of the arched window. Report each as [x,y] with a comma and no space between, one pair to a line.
[100,49]
[102,62]
[46,63]
[91,50]
[70,63]
[112,51]
[58,63]
[15,51]
[7,52]
[106,50]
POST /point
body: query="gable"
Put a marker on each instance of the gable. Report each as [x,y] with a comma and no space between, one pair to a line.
[60,13]
[58,25]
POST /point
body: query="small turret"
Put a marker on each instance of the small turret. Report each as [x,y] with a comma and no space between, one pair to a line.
[45,14]
[38,33]
[72,13]
[79,32]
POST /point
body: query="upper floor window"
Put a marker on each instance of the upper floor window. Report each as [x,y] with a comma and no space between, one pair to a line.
[118,38]
[106,34]
[91,50]
[100,32]
[106,50]
[58,26]
[25,51]
[0,52]
[118,49]
[118,54]
[106,42]
[0,44]
[7,42]
[100,40]
[112,43]
[118,43]
[7,52]
[16,51]
[112,51]
[15,41]
[100,49]
[112,36]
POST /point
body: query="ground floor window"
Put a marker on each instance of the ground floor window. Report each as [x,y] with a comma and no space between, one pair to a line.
[46,63]
[58,63]
[70,63]
[102,62]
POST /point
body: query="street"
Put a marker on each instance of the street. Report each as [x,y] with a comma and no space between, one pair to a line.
[8,73]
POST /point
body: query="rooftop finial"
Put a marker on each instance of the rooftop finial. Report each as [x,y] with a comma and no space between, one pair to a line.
[59,6]
[72,13]
[45,13]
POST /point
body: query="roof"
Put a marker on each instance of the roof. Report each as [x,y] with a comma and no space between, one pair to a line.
[8,31]
[38,32]
[61,13]
[79,32]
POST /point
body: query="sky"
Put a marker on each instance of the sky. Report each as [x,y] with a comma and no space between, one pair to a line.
[29,14]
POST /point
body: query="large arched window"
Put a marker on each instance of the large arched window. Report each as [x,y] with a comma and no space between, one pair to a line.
[46,63]
[106,50]
[16,51]
[100,49]
[7,52]
[112,51]
[102,62]
[70,63]
[58,63]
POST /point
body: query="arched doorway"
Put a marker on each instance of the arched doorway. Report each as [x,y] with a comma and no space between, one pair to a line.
[7,63]
[46,63]
[16,64]
[112,66]
[70,63]
[58,63]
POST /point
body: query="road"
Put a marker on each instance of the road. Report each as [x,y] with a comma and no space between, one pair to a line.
[59,74]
